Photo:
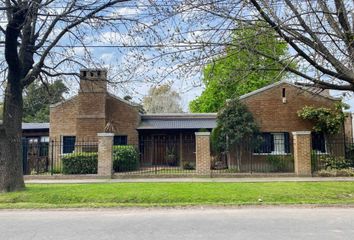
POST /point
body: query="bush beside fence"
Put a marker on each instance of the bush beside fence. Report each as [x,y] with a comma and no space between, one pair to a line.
[125,158]
[80,163]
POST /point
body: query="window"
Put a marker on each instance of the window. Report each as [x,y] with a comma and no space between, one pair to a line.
[68,144]
[44,146]
[318,142]
[44,139]
[120,140]
[274,143]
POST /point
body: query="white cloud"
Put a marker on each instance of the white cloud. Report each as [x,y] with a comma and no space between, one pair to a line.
[118,38]
[127,11]
[107,57]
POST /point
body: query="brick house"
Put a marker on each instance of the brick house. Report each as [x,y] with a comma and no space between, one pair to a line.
[94,110]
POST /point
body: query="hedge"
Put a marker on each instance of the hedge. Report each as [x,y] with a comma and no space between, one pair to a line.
[125,158]
[80,163]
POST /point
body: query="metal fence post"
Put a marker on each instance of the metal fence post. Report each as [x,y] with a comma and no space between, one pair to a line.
[52,159]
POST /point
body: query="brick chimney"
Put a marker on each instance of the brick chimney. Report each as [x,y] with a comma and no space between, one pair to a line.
[91,118]
[93,80]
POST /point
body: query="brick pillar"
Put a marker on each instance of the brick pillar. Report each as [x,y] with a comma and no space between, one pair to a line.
[202,145]
[302,153]
[105,154]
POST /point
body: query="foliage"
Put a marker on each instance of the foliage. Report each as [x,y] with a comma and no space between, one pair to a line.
[203,130]
[125,158]
[326,120]
[240,70]
[235,125]
[333,162]
[349,172]
[37,99]
[80,163]
[279,163]
[162,99]
[188,165]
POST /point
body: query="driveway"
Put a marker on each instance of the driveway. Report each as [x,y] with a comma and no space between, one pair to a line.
[243,223]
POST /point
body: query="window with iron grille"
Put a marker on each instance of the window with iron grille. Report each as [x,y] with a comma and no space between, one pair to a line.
[274,143]
[68,144]
[120,140]
[318,142]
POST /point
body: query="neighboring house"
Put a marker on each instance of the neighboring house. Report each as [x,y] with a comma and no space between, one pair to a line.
[275,109]
[35,147]
[35,132]
[95,110]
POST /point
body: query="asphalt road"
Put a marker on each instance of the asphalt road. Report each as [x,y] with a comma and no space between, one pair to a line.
[171,224]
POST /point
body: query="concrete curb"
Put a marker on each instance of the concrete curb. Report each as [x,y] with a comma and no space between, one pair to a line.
[197,180]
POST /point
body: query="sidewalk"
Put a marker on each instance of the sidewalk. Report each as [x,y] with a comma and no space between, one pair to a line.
[167,180]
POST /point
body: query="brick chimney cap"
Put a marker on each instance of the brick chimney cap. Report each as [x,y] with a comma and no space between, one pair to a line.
[93,69]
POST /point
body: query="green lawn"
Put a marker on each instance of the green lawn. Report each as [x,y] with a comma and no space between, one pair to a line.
[178,194]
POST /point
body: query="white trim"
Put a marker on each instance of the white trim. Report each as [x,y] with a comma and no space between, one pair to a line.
[272,154]
[202,133]
[302,133]
[105,134]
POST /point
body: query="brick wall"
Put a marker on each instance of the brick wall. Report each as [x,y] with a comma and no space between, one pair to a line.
[63,119]
[124,117]
[273,115]
[88,113]
[91,115]
[302,153]
[203,158]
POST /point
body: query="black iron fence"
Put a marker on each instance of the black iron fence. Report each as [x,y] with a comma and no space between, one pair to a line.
[273,155]
[335,154]
[46,158]
[164,155]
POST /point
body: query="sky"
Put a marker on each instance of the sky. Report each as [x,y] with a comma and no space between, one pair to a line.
[134,70]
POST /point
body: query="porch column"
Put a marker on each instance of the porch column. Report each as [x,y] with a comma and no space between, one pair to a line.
[105,154]
[302,153]
[202,153]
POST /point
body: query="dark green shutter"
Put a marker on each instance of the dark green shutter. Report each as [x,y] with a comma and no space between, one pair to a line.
[287,142]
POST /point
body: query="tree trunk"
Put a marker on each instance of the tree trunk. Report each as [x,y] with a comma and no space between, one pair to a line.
[11,172]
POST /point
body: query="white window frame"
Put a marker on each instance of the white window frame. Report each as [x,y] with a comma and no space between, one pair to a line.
[282,153]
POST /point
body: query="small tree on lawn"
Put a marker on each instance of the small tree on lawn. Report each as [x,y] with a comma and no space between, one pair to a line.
[235,128]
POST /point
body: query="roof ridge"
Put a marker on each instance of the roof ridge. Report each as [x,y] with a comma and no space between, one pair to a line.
[286,82]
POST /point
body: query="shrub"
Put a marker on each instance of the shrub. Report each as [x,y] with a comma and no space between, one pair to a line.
[125,158]
[188,165]
[332,162]
[80,163]
[336,173]
[279,163]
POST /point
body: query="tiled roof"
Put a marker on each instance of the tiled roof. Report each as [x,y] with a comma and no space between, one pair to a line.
[28,126]
[178,121]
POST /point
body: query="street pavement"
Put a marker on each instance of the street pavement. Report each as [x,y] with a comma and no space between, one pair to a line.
[186,223]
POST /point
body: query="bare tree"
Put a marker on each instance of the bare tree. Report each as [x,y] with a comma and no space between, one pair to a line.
[319,34]
[38,37]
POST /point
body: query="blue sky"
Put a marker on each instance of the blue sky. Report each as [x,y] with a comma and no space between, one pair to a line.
[132,69]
